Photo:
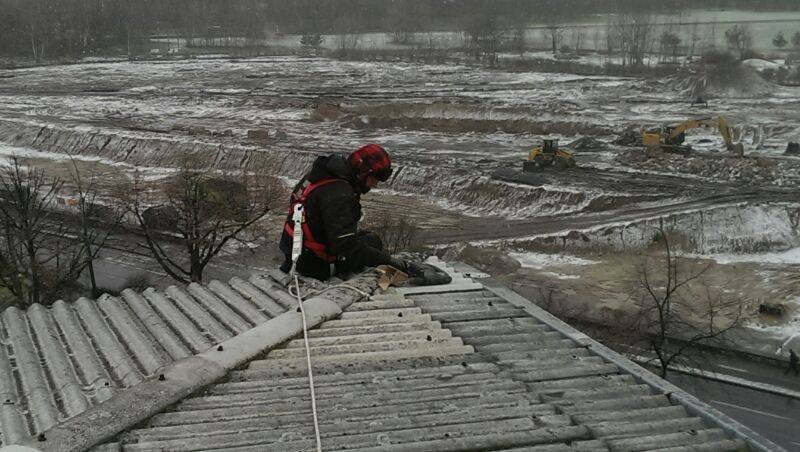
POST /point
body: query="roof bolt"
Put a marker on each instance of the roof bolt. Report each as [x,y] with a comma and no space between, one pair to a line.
[219,348]
[298,309]
[491,304]
[161,377]
[463,364]
[429,338]
[399,314]
[41,438]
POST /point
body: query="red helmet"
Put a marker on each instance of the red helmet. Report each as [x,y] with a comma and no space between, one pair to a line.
[371,160]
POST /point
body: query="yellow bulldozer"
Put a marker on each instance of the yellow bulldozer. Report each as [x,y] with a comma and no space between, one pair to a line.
[671,138]
[548,154]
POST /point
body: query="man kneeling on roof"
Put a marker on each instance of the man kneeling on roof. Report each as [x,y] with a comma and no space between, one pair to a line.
[331,197]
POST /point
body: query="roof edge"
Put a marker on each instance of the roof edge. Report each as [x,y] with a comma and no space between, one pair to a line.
[692,404]
[102,422]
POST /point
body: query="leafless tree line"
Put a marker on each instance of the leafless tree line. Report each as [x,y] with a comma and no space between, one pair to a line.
[43,251]
[43,29]
[53,229]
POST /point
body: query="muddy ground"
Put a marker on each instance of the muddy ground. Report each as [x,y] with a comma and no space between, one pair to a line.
[457,134]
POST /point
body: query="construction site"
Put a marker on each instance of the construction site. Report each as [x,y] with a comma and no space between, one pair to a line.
[461,137]
[565,187]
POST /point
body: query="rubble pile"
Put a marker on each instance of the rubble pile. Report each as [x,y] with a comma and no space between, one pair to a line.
[755,171]
[629,137]
[723,80]
[588,144]
[326,111]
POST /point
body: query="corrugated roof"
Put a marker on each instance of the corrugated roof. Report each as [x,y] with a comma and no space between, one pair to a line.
[441,369]
[57,361]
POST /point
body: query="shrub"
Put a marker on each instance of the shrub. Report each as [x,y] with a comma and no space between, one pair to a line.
[718,57]
[752,54]
[398,233]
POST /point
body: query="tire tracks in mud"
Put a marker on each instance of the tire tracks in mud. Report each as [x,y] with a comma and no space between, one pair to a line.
[490,229]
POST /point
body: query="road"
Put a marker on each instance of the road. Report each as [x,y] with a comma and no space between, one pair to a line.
[775,417]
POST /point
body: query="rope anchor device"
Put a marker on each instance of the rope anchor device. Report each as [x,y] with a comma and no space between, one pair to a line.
[298,216]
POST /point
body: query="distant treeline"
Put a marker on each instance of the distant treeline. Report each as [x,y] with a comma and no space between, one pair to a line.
[74,28]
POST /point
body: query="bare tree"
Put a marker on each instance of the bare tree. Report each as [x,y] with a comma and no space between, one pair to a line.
[402,22]
[577,37]
[635,35]
[670,44]
[204,211]
[596,40]
[519,38]
[677,313]
[739,38]
[38,254]
[35,22]
[555,34]
[612,38]
[483,35]
[96,220]
[349,37]
[694,38]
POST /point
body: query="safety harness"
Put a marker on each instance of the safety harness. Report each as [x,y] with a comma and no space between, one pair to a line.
[297,217]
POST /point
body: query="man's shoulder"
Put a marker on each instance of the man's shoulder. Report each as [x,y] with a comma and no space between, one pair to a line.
[335,188]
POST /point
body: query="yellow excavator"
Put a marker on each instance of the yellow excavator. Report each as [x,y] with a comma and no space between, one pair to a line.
[548,155]
[671,138]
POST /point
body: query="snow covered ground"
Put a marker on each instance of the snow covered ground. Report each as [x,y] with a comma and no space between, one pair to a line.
[452,130]
[539,261]
[791,256]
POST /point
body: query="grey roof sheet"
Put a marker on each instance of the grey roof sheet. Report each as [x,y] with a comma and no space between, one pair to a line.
[433,369]
[57,361]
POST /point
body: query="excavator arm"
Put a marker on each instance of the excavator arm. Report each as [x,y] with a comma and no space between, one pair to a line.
[719,123]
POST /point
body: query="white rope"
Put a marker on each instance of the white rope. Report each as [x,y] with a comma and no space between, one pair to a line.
[308,359]
[297,248]
[296,292]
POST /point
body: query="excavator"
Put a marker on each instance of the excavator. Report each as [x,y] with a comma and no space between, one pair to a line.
[671,138]
[547,155]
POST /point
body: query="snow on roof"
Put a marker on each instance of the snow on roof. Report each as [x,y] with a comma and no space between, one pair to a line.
[465,366]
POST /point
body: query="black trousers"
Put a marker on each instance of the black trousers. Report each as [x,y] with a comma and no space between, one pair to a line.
[309,264]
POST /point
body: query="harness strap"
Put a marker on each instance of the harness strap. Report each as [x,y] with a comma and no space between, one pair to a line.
[308,240]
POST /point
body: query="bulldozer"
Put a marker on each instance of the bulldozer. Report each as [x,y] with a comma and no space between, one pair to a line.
[671,138]
[548,154]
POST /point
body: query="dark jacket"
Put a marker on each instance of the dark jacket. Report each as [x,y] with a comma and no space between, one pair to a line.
[332,213]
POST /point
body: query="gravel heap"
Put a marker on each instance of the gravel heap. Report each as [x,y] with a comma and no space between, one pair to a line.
[748,170]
